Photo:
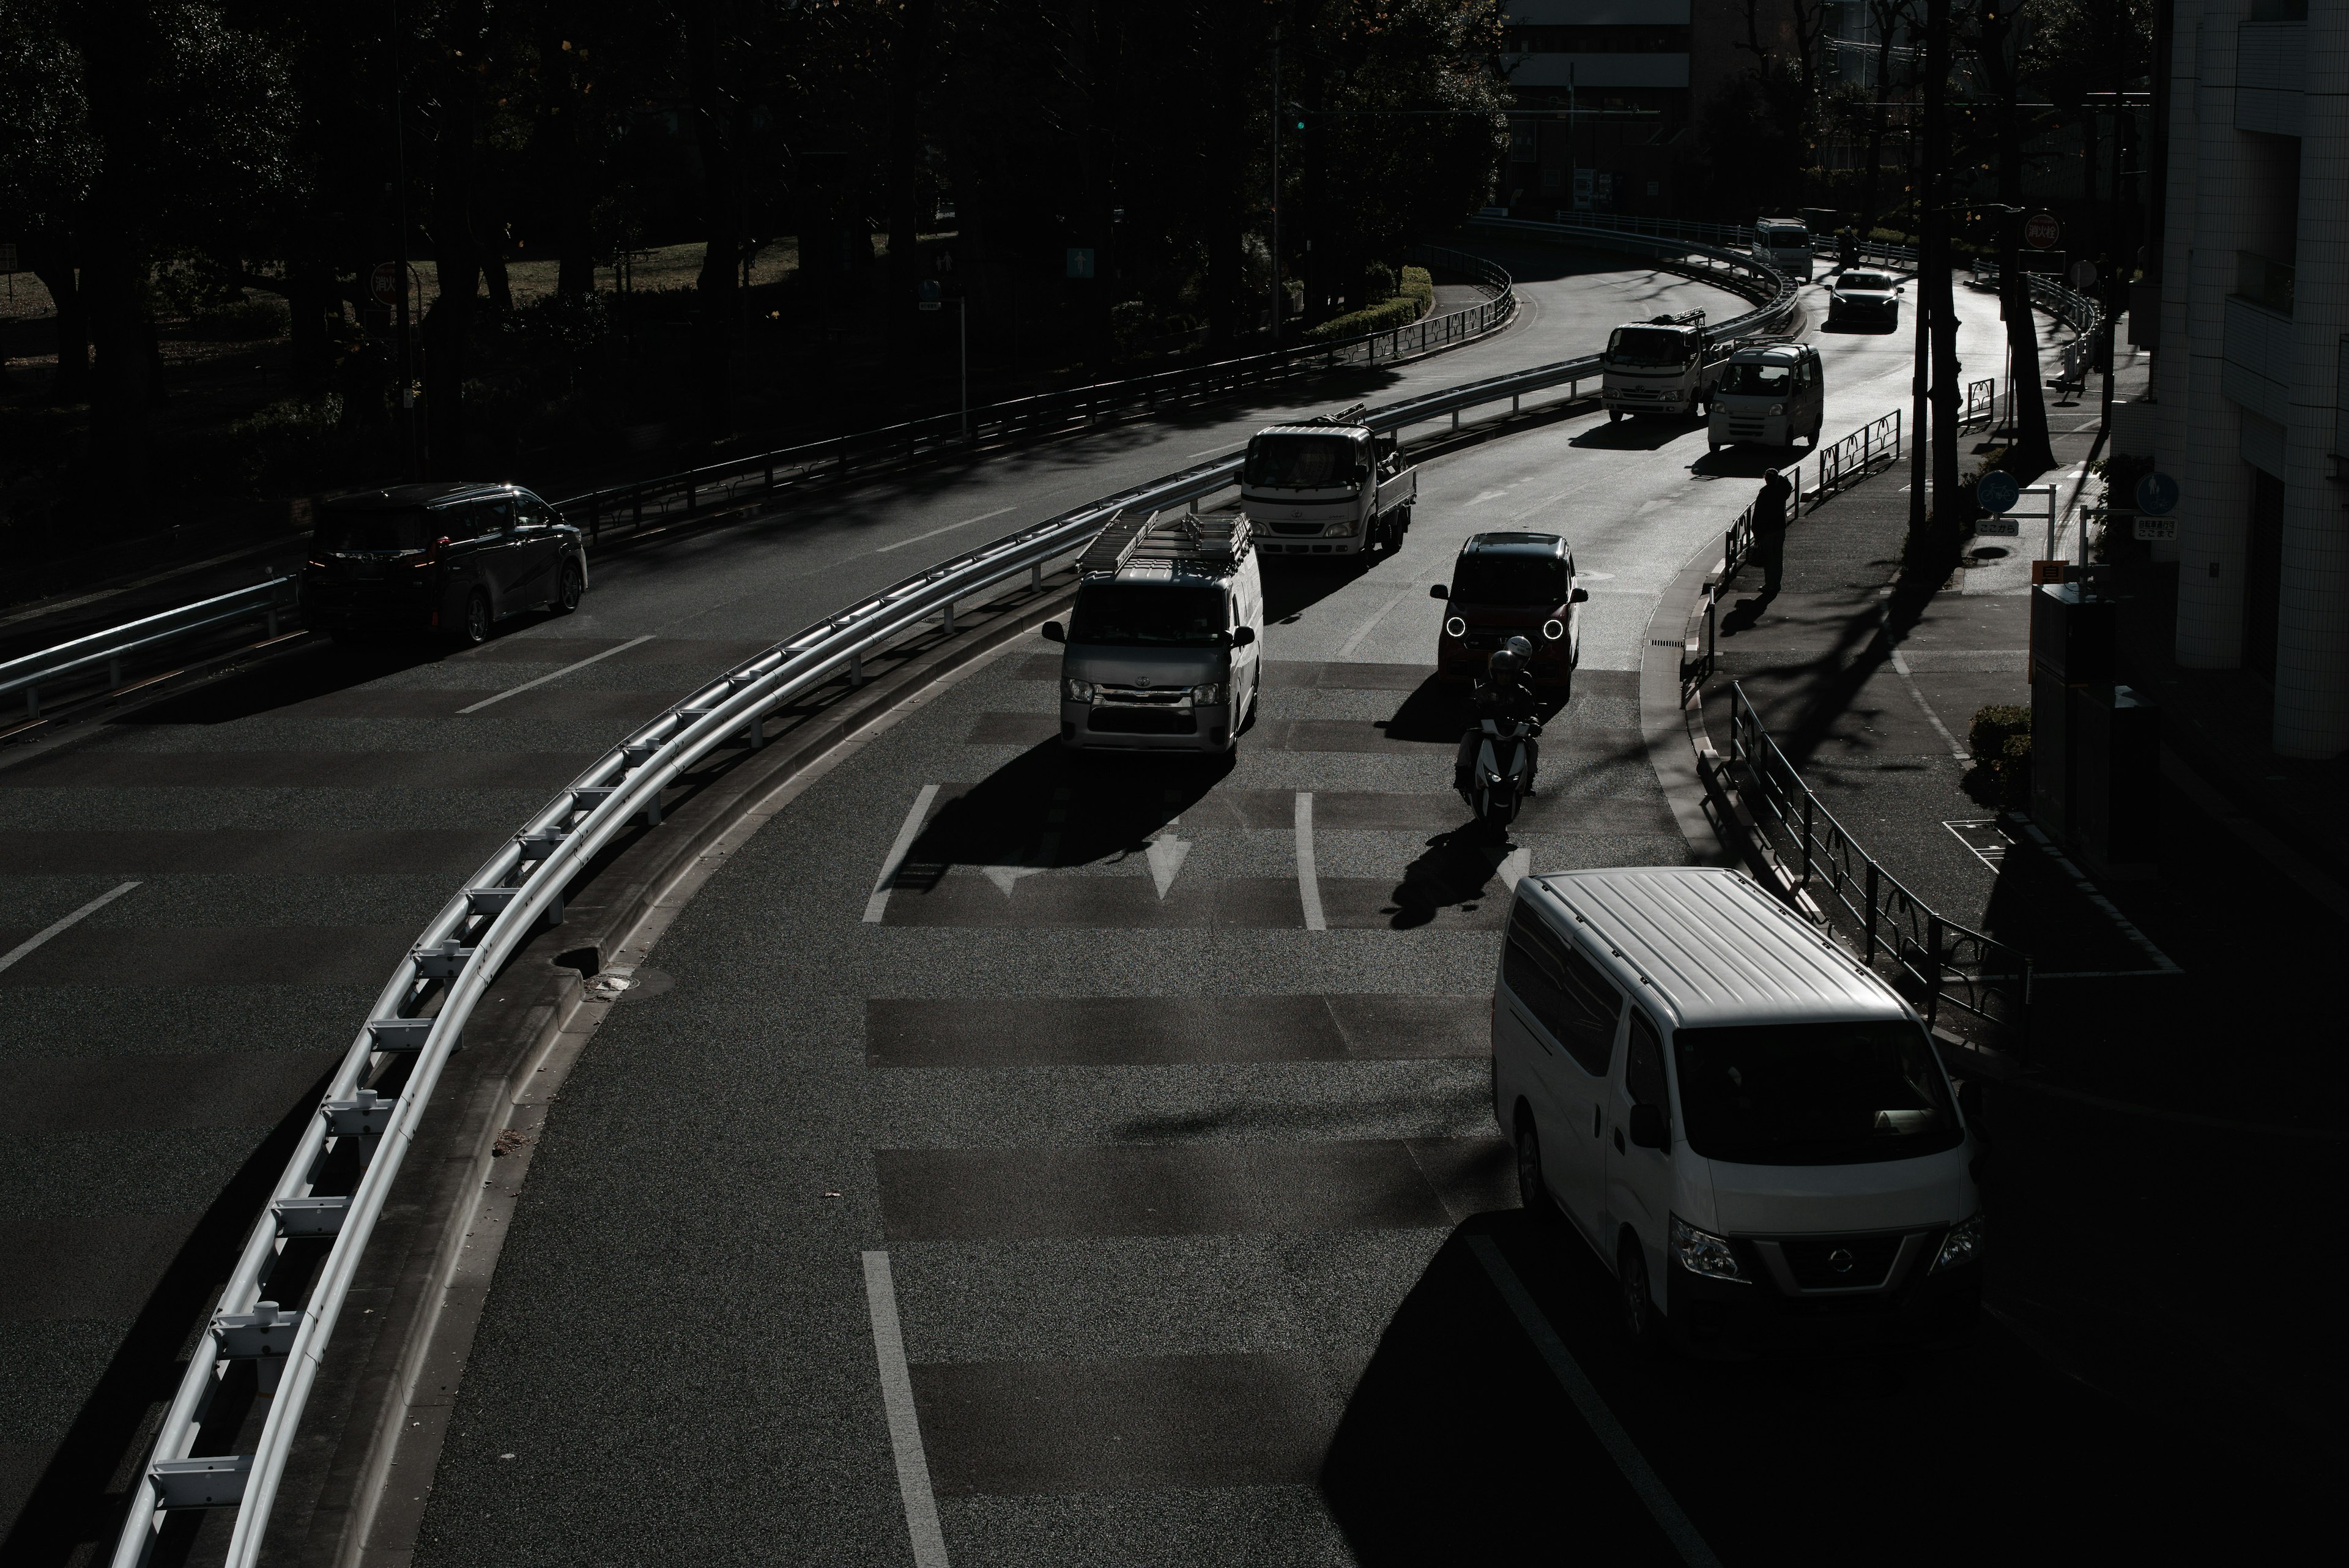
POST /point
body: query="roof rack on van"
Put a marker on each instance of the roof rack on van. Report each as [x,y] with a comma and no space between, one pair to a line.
[1346,416]
[1685,318]
[1764,341]
[1214,540]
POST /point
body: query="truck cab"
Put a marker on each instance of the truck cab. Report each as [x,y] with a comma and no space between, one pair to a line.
[1165,648]
[1329,486]
[1772,392]
[1662,365]
[1785,244]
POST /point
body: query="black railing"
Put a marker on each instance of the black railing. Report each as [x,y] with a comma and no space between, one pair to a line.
[1942,966]
[1856,456]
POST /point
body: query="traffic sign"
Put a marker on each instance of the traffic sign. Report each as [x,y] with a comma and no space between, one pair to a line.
[1081,261]
[2156,494]
[928,292]
[2042,230]
[1997,491]
[384,283]
[2083,274]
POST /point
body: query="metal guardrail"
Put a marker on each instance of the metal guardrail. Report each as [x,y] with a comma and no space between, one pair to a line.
[358,1138]
[1982,405]
[658,501]
[2076,310]
[85,657]
[1855,457]
[1939,963]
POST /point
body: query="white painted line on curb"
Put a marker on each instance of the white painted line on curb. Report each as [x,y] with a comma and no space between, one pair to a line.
[879,904]
[92,908]
[1377,616]
[905,1425]
[543,680]
[1308,881]
[1603,1424]
[947,529]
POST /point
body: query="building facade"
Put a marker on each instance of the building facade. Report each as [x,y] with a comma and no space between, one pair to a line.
[2253,360]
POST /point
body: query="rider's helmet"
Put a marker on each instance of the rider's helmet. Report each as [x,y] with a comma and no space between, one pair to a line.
[1511,658]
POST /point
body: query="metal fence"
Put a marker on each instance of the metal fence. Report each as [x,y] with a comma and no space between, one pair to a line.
[1856,456]
[1981,410]
[336,1183]
[659,501]
[95,663]
[1939,965]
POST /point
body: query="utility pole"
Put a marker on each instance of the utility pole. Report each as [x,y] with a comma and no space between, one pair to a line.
[1942,544]
[405,356]
[1920,414]
[1279,295]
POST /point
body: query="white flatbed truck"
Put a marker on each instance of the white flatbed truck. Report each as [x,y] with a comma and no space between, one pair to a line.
[1327,486]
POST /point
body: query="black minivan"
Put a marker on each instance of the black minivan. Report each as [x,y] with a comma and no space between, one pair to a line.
[455,558]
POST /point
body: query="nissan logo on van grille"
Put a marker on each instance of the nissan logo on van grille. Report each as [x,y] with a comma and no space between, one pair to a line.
[1841,1259]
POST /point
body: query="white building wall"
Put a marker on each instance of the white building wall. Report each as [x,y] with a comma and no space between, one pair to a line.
[2213,510]
[2312,675]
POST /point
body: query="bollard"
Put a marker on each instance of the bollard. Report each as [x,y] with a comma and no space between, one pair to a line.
[856,669]
[949,618]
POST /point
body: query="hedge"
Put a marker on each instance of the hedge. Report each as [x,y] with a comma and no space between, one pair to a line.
[1415,299]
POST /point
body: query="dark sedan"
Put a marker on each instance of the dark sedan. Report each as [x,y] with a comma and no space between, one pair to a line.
[452,558]
[1873,297]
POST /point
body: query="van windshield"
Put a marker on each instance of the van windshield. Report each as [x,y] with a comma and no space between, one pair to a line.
[1813,1093]
[1302,461]
[1508,577]
[1758,379]
[1156,615]
[409,528]
[1649,346]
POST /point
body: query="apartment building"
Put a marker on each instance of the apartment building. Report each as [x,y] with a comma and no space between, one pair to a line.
[1636,74]
[2252,373]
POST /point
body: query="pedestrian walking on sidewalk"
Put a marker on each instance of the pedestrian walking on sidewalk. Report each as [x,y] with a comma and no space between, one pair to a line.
[1770,531]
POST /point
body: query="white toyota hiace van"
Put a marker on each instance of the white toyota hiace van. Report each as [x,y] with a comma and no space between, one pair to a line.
[1752,1130]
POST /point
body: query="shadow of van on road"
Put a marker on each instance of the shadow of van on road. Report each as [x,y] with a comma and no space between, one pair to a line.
[1050,807]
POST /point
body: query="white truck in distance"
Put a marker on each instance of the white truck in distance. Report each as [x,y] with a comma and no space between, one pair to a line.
[1785,244]
[1660,367]
[1327,486]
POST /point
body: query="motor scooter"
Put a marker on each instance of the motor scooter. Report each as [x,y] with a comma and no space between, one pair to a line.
[1501,778]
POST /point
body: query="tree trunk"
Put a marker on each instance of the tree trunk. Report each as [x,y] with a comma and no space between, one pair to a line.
[493,268]
[2033,456]
[54,268]
[310,293]
[119,47]
[710,28]
[1931,560]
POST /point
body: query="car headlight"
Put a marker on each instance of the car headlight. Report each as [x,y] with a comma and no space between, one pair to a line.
[1456,626]
[1338,530]
[1702,1252]
[1212,691]
[1553,628]
[1076,691]
[1777,408]
[1963,1245]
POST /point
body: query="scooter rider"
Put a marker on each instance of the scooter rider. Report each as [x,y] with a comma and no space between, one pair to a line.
[1507,695]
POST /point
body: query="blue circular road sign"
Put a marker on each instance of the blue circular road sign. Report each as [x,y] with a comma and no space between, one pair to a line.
[2157,495]
[1997,491]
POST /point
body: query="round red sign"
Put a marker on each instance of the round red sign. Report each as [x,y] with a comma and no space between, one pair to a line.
[2042,230]
[384,283]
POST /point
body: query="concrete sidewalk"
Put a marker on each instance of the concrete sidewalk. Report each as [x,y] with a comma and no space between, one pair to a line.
[2166,1107]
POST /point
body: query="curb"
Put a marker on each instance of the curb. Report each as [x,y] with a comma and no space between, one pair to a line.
[364,1461]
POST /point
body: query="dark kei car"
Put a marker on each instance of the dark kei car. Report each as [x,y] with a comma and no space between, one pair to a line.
[1505,585]
[452,558]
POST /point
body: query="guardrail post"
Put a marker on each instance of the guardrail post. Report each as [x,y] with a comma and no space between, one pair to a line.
[690,498]
[113,673]
[949,618]
[1868,949]
[1932,957]
[1807,801]
[856,669]
[770,473]
[31,702]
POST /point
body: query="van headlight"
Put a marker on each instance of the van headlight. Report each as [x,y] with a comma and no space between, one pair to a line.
[1212,691]
[1963,1245]
[1553,628]
[1338,530]
[1456,626]
[1777,408]
[1702,1252]
[1076,691]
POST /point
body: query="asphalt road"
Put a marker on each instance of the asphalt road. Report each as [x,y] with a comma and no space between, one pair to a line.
[267,844]
[1177,1230]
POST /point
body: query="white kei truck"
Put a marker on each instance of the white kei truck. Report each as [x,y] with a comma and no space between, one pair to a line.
[1661,366]
[1327,486]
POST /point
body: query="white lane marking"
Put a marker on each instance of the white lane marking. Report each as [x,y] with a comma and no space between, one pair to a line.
[1915,692]
[1485,495]
[92,908]
[1048,848]
[949,528]
[879,904]
[905,1423]
[1166,853]
[543,680]
[1610,1432]
[1308,881]
[2112,912]
[1515,867]
[1377,616]
[1216,450]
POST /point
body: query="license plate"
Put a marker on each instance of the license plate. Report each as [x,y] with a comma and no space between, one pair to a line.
[366,571]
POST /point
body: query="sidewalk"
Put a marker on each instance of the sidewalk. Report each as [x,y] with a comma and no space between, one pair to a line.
[2179,1084]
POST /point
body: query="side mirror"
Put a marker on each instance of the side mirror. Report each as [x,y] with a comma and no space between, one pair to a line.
[1647,1127]
[1438,591]
[1241,635]
[1055,632]
[1579,596]
[1970,1103]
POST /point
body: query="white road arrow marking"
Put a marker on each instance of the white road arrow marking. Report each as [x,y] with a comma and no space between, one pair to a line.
[1167,855]
[1516,865]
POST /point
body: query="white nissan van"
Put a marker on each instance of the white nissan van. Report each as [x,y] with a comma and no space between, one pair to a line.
[1752,1129]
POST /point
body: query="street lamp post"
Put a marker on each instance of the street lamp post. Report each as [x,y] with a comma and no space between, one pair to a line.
[929,298]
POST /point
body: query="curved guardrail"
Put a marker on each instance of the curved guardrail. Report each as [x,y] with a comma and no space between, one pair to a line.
[106,650]
[641,502]
[421,1011]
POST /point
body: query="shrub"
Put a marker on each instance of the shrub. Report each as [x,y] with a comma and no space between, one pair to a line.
[2000,740]
[247,320]
[1417,296]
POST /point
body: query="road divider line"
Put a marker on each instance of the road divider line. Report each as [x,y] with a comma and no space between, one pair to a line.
[905,1423]
[37,937]
[1660,1501]
[1308,882]
[543,680]
[1377,616]
[879,904]
[949,528]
